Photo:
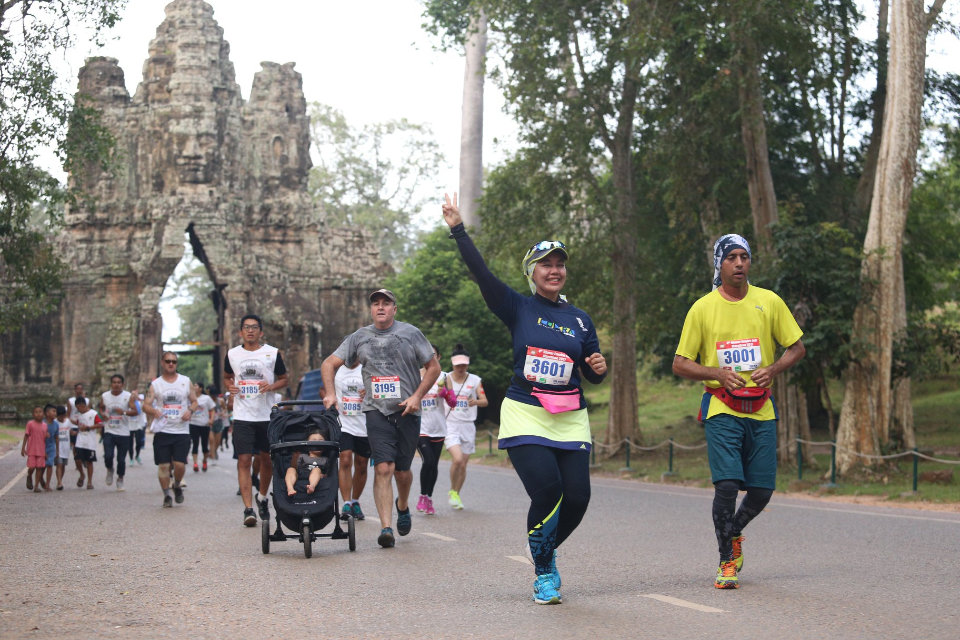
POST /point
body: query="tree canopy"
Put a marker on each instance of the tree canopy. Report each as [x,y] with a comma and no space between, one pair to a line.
[36,111]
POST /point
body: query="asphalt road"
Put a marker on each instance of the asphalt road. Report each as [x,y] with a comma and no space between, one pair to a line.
[111,564]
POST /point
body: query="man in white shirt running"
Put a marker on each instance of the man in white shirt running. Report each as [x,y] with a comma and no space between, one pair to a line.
[252,372]
[170,401]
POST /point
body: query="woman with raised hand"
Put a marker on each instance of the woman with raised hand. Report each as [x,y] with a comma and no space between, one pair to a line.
[543,419]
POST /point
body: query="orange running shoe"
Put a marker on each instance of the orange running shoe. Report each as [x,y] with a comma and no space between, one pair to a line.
[738,552]
[727,576]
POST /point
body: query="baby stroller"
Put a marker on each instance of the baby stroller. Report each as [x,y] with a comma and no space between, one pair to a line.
[305,513]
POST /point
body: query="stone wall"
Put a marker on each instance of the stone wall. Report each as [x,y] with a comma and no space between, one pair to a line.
[193,155]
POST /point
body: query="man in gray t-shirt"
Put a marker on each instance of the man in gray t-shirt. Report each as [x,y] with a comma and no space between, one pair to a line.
[392,354]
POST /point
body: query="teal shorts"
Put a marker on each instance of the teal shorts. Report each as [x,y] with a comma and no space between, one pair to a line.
[742,449]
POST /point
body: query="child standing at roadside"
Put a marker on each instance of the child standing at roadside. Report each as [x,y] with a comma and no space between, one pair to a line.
[88,423]
[34,448]
[50,419]
[63,445]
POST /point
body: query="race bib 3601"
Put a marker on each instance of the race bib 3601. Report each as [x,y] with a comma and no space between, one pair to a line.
[545,366]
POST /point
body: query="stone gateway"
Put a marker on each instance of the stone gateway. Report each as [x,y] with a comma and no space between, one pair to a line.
[194,157]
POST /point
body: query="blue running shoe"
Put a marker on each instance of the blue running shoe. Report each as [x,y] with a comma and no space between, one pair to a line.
[346,511]
[386,539]
[553,570]
[357,511]
[404,521]
[543,590]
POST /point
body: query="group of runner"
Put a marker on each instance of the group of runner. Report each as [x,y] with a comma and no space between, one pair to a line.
[729,342]
[393,399]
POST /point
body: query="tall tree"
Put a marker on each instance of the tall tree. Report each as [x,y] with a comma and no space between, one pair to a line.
[868,403]
[378,176]
[471,123]
[574,72]
[35,108]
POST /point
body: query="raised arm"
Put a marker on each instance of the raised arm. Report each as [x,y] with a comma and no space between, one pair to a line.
[494,291]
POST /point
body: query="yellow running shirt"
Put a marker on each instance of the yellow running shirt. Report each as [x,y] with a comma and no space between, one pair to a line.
[741,336]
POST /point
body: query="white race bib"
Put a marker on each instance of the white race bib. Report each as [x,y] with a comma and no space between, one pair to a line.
[350,405]
[428,402]
[739,355]
[249,388]
[385,387]
[171,411]
[546,367]
[463,404]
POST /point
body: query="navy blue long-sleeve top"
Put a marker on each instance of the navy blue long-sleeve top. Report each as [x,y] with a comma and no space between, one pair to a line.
[535,323]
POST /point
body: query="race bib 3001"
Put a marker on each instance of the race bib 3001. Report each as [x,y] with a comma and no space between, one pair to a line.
[547,367]
[385,387]
[739,355]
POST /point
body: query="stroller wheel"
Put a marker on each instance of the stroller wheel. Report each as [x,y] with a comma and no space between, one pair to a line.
[352,533]
[265,536]
[307,540]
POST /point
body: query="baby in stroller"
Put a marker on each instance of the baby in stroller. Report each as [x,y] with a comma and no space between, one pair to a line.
[305,471]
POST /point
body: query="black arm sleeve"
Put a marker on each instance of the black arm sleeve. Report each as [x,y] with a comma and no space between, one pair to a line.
[494,291]
[279,368]
[226,365]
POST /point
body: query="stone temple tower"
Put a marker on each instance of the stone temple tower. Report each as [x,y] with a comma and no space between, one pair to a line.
[195,157]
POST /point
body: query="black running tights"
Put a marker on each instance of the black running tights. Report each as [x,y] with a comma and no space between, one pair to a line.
[430,450]
[558,483]
[728,521]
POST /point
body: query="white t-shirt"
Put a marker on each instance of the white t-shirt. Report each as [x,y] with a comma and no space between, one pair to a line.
[116,423]
[172,400]
[249,368]
[466,391]
[348,384]
[87,439]
[63,439]
[202,417]
[72,408]
[432,407]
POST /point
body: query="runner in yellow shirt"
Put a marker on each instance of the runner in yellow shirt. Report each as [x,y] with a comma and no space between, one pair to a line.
[734,332]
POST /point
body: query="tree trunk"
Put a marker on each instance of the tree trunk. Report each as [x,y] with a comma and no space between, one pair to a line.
[868,176]
[763,198]
[868,398]
[794,420]
[623,391]
[471,124]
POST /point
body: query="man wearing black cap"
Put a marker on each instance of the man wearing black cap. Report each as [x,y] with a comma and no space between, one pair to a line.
[391,353]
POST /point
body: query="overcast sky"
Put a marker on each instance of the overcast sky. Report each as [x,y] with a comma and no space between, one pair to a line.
[370,59]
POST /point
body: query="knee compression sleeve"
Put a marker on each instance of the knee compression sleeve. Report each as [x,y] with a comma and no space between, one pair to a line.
[724,506]
[755,501]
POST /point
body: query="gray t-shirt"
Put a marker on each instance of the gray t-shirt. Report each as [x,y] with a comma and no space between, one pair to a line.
[391,361]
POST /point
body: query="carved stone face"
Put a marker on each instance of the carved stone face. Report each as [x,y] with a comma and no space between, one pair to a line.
[196,154]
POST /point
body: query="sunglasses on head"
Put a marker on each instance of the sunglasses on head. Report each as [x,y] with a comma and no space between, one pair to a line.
[548,244]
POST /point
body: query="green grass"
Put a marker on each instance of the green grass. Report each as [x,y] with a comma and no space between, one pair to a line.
[667,409]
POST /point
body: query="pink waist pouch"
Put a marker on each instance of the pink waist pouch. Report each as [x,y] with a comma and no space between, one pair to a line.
[557,401]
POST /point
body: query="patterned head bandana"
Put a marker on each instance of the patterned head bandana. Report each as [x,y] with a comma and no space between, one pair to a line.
[724,246]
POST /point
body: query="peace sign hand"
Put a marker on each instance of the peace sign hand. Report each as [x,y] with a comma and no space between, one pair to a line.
[451,212]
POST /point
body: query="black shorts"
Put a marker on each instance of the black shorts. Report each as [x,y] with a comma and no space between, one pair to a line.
[250,437]
[170,447]
[393,438]
[358,444]
[84,455]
